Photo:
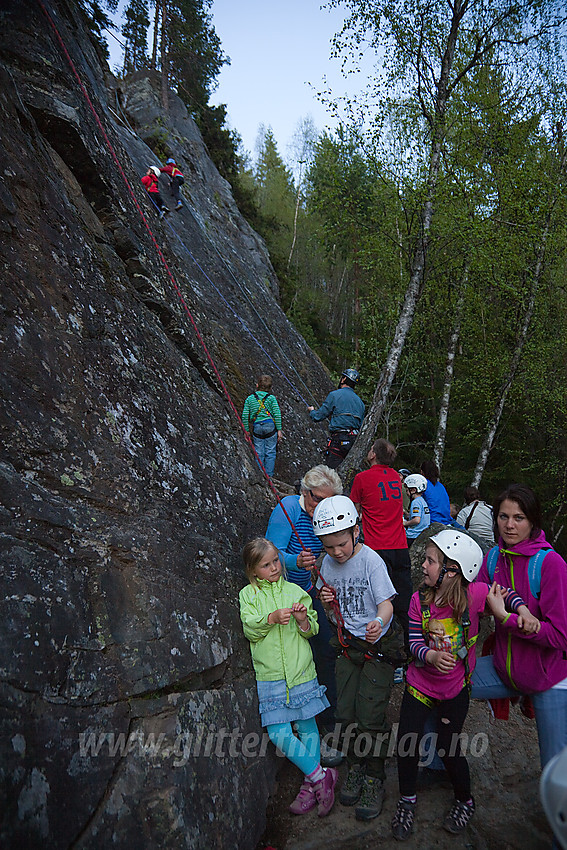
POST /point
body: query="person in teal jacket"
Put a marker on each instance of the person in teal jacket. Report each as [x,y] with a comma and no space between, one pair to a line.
[263,420]
[278,619]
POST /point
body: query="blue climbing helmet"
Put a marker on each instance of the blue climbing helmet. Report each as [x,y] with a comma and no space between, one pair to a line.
[170,162]
[351,375]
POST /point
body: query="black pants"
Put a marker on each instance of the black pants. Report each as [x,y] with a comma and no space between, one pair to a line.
[175,186]
[399,569]
[338,447]
[452,714]
[324,656]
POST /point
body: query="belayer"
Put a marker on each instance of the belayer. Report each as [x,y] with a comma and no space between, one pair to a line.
[345,411]
[175,180]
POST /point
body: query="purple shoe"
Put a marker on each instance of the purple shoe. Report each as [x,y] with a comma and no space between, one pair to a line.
[305,800]
[325,791]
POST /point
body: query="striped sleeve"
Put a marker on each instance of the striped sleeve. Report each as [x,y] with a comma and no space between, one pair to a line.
[417,645]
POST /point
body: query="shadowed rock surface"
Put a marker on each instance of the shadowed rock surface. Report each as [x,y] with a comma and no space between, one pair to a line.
[127,489]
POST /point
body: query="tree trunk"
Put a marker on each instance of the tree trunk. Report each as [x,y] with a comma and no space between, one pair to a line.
[153,64]
[164,63]
[367,433]
[449,371]
[508,380]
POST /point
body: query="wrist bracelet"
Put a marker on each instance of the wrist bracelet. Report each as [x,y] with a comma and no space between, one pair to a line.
[380,620]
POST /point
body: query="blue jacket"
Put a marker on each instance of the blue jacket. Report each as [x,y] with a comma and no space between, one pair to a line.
[283,537]
[344,409]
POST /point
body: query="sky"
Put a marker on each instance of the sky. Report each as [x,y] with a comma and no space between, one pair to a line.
[280,58]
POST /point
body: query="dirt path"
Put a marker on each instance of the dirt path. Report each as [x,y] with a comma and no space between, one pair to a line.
[505,774]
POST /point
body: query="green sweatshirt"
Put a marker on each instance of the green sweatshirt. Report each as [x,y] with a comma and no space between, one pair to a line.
[252,404]
[278,652]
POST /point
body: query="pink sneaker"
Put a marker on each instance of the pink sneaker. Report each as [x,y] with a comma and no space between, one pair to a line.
[305,800]
[325,791]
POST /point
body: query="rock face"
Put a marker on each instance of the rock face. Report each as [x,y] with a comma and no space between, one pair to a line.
[128,706]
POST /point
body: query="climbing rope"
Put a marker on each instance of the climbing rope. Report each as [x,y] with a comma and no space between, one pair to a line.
[334,605]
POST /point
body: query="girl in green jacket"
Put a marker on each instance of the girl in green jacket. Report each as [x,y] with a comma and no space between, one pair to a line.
[278,619]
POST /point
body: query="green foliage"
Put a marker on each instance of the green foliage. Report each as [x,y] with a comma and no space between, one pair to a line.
[135,32]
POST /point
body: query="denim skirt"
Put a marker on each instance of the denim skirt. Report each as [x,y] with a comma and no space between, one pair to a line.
[280,705]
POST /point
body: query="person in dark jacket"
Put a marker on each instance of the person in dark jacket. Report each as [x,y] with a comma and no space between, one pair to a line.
[345,411]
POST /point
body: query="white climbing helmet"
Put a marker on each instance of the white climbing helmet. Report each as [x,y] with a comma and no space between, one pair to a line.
[336,513]
[461,548]
[553,792]
[155,170]
[416,482]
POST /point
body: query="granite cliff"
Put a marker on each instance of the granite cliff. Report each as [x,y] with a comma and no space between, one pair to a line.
[127,488]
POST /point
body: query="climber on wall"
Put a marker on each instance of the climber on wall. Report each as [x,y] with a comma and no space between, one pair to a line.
[175,181]
[345,411]
[151,185]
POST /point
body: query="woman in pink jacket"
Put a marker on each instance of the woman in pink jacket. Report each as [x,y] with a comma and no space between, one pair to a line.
[535,663]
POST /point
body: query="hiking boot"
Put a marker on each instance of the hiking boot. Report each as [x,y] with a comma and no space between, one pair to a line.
[329,756]
[459,816]
[325,791]
[371,799]
[305,800]
[398,675]
[402,822]
[352,786]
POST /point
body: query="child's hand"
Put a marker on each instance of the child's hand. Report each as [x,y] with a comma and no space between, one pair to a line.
[306,560]
[373,631]
[328,594]
[299,611]
[442,661]
[280,617]
[527,622]
[495,601]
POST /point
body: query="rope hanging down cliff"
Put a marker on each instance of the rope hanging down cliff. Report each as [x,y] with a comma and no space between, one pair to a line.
[338,615]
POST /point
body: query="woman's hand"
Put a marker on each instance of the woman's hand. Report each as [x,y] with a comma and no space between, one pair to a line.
[280,617]
[527,622]
[306,560]
[495,601]
[442,661]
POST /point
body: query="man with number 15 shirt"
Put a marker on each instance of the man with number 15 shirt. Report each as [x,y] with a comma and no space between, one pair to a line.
[377,494]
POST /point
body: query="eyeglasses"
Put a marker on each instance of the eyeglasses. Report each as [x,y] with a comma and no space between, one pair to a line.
[315,498]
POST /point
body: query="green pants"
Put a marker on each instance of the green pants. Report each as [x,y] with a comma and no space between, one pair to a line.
[363,694]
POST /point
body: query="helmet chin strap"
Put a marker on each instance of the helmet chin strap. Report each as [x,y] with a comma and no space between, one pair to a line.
[442,573]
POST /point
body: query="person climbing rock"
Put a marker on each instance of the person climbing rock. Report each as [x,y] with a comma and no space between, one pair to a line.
[175,181]
[345,411]
[151,185]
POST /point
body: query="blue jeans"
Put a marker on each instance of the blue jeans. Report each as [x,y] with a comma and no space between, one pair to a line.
[266,447]
[550,707]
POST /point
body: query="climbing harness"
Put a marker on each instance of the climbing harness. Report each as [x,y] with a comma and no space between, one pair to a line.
[468,642]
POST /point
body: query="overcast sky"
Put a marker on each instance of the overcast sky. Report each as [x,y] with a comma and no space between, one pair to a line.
[280,58]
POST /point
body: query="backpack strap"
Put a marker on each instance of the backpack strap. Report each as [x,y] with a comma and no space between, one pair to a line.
[491,559]
[261,406]
[534,571]
[470,516]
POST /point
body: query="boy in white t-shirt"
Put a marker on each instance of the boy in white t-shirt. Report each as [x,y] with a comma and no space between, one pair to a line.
[419,518]
[355,582]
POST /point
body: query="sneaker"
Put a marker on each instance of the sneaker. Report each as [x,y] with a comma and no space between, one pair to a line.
[398,675]
[305,800]
[402,822]
[161,214]
[178,205]
[329,756]
[352,786]
[325,791]
[459,816]
[371,799]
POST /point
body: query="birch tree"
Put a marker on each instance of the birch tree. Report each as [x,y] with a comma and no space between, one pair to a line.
[430,49]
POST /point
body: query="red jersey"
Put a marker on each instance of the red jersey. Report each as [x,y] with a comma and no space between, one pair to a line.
[150,182]
[378,490]
[172,170]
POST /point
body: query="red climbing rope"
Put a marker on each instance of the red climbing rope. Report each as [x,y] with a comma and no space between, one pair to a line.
[335,606]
